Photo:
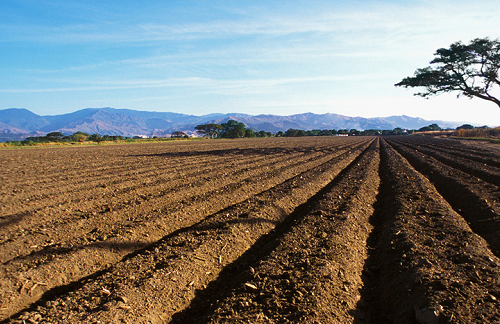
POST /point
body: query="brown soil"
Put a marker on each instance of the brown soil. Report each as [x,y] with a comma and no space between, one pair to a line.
[281,230]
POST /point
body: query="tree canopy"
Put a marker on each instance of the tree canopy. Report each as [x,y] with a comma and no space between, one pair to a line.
[233,129]
[209,130]
[469,69]
[178,134]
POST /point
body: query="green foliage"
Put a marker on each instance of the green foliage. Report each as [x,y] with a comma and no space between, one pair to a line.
[265,134]
[472,70]
[465,126]
[432,127]
[233,129]
[291,132]
[55,136]
[327,132]
[371,132]
[95,138]
[209,130]
[178,134]
[249,133]
[398,131]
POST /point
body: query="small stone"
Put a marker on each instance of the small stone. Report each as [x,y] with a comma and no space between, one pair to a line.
[428,315]
[251,286]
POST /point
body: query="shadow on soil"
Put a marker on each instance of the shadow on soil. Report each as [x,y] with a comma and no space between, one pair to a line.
[377,304]
[235,152]
[236,274]
[46,254]
[11,219]
[137,247]
[466,201]
[368,309]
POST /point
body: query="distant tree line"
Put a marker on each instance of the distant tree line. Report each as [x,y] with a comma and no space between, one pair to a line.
[235,129]
[58,137]
[229,129]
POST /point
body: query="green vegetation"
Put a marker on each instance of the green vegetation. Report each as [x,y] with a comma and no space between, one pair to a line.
[209,130]
[57,138]
[472,70]
[432,127]
[235,129]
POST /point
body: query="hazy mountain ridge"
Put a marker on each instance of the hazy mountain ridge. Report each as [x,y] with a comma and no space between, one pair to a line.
[20,123]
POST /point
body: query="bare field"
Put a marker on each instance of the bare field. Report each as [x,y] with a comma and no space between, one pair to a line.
[278,230]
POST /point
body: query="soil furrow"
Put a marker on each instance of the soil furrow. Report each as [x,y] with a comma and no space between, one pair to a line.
[98,255]
[182,196]
[431,268]
[161,279]
[476,201]
[455,148]
[87,202]
[278,230]
[311,261]
[120,182]
[102,189]
[484,172]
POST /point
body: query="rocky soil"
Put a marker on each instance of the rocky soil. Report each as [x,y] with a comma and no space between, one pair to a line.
[278,230]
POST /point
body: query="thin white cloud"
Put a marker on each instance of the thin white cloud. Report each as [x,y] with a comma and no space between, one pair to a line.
[264,53]
[370,16]
[202,84]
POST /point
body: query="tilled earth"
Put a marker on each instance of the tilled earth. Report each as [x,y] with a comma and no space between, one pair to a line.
[279,230]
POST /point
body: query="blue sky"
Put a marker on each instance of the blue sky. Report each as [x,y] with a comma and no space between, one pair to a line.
[255,57]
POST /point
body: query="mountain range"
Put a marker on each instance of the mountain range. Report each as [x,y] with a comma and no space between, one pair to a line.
[19,123]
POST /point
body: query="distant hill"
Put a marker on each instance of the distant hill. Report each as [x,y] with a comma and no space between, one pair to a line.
[18,123]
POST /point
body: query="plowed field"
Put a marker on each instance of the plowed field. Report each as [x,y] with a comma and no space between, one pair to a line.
[279,230]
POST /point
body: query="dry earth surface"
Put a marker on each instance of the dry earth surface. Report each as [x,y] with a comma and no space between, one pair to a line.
[278,230]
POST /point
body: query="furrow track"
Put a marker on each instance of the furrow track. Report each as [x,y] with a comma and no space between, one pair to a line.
[428,266]
[59,265]
[480,169]
[399,229]
[309,263]
[172,194]
[476,200]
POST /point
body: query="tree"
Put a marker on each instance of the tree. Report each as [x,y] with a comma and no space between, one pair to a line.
[260,134]
[79,136]
[471,70]
[210,130]
[342,132]
[54,136]
[397,131]
[95,138]
[177,134]
[431,127]
[465,126]
[291,132]
[233,129]
[249,133]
